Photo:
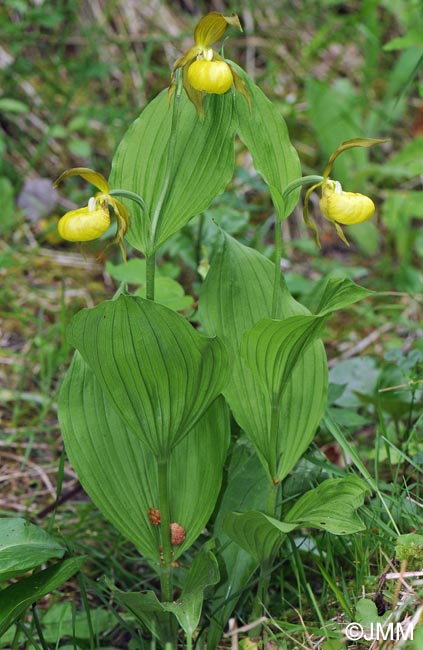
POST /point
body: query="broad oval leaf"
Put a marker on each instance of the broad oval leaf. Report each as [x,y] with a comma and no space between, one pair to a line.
[236,295]
[203,163]
[120,473]
[24,546]
[157,371]
[264,132]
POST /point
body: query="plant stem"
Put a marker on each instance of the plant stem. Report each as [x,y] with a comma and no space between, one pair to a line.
[150,274]
[278,257]
[262,594]
[299,182]
[127,194]
[166,573]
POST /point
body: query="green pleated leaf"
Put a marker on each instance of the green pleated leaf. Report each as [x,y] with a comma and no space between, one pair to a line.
[159,374]
[203,572]
[277,390]
[120,473]
[203,164]
[264,132]
[340,293]
[331,506]
[236,295]
[272,349]
[15,599]
[24,546]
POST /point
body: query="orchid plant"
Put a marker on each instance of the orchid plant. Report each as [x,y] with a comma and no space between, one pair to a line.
[145,405]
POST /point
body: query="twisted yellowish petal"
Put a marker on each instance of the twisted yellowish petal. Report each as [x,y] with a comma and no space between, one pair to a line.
[306,214]
[122,218]
[187,58]
[87,174]
[349,144]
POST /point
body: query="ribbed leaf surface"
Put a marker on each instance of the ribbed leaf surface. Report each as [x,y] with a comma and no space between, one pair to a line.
[119,472]
[236,295]
[264,132]
[272,349]
[155,369]
[203,573]
[331,506]
[203,164]
[340,293]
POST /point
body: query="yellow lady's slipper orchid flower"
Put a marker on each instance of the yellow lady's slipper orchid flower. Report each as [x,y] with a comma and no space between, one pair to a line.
[203,69]
[92,221]
[85,223]
[337,206]
[344,207]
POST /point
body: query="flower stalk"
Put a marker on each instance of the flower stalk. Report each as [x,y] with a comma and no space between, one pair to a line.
[279,217]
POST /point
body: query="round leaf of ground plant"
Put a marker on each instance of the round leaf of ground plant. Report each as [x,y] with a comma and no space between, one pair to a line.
[236,295]
[273,155]
[119,472]
[15,599]
[24,546]
[61,621]
[159,374]
[176,182]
